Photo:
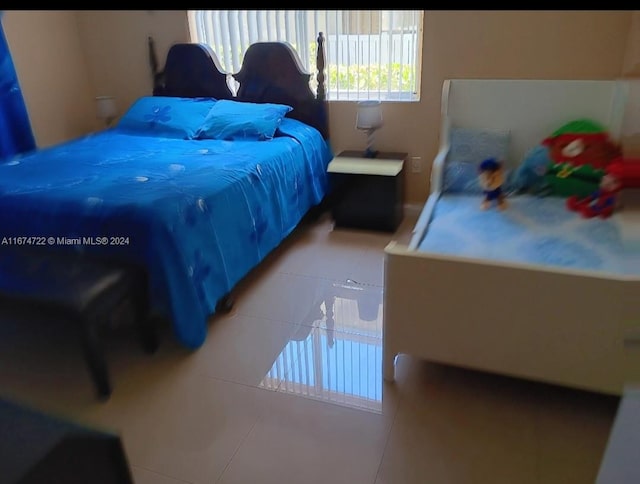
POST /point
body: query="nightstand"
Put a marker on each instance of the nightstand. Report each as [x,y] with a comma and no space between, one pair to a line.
[368,192]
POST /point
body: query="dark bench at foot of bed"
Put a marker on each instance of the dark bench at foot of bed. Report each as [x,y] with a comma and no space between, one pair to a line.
[59,287]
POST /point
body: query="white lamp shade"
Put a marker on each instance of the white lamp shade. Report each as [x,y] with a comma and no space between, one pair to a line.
[369,115]
[106,107]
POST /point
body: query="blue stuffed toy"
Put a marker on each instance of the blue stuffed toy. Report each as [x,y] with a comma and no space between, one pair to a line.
[529,176]
[491,179]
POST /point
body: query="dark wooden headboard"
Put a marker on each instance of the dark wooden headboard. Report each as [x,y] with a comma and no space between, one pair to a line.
[271,72]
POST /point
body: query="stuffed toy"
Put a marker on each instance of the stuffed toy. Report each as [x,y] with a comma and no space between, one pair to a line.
[580,152]
[582,142]
[529,176]
[600,203]
[491,178]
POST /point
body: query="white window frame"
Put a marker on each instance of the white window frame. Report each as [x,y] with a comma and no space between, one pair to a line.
[353,37]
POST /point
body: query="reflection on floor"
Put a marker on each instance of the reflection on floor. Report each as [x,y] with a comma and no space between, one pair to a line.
[343,367]
[288,388]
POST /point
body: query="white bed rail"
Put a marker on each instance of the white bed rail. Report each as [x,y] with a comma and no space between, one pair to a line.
[437,169]
[437,176]
[560,326]
[437,172]
[424,219]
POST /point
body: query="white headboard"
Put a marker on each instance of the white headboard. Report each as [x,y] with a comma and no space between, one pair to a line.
[530,109]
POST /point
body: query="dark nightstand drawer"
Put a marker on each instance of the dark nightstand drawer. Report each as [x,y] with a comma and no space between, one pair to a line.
[369,192]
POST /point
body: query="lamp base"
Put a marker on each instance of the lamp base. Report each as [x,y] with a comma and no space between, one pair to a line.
[370,153]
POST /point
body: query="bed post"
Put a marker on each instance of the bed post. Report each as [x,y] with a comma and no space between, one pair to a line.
[158,82]
[320,64]
[321,108]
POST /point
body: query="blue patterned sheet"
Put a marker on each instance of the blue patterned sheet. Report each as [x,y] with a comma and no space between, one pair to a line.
[540,231]
[199,214]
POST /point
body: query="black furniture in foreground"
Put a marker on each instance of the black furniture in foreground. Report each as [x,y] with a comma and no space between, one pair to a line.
[36,448]
[61,287]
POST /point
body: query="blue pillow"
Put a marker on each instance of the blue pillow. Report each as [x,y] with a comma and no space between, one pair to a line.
[235,120]
[461,177]
[168,117]
[474,145]
[468,147]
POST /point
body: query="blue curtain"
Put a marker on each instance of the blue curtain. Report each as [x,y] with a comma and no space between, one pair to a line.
[15,129]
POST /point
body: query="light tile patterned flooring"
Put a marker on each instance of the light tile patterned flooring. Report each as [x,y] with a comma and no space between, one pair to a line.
[288,389]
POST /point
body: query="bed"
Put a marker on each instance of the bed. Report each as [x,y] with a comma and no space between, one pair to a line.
[196,214]
[534,291]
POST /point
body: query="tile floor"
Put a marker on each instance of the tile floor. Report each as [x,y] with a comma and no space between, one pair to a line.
[288,388]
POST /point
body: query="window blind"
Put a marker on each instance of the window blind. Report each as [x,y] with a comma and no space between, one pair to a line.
[371,54]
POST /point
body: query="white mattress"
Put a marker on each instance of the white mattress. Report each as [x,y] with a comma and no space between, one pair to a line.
[540,231]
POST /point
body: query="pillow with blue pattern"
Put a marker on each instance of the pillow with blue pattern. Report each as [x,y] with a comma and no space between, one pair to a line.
[236,120]
[165,116]
[461,177]
[468,147]
[475,145]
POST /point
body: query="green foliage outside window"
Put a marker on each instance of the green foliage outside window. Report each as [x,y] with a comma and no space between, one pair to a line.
[370,77]
[393,77]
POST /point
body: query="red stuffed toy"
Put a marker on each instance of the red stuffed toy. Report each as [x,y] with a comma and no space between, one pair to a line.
[600,203]
[582,142]
[627,170]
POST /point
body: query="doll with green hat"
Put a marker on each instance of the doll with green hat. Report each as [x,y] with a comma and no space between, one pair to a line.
[579,151]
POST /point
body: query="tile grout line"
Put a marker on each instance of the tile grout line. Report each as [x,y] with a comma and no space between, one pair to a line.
[308,397]
[386,442]
[260,416]
[266,318]
[313,326]
[297,357]
[179,479]
[232,382]
[332,279]
[277,389]
[219,479]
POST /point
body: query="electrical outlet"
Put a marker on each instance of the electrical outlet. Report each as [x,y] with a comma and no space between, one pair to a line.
[416,164]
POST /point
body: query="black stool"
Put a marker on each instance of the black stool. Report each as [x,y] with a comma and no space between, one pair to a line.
[80,290]
[41,448]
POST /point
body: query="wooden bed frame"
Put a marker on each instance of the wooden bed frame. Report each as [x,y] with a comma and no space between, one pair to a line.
[574,328]
[271,72]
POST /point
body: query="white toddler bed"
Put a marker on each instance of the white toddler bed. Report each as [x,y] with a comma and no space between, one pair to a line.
[534,291]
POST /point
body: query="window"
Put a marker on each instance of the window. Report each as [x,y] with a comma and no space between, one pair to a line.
[371,54]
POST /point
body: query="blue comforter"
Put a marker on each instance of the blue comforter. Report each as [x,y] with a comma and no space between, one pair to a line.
[198,214]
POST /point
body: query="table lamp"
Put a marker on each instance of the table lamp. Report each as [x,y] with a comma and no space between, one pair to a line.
[106,109]
[369,118]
